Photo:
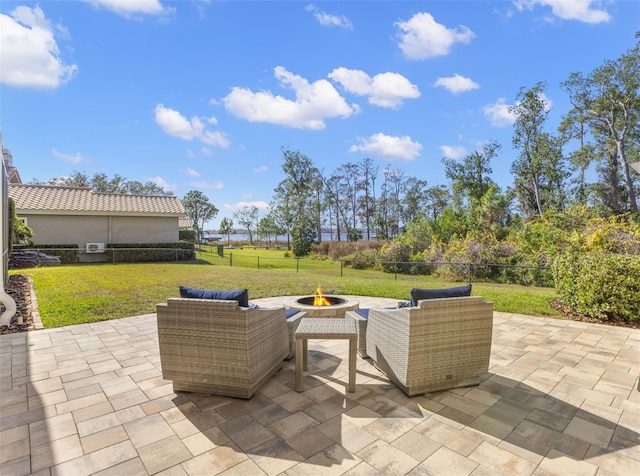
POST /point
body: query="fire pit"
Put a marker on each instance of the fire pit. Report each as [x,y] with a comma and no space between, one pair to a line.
[320,305]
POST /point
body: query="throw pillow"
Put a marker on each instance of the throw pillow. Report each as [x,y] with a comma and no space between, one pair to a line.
[240,295]
[420,294]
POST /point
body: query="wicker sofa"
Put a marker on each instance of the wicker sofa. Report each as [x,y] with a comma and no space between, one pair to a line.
[436,345]
[215,347]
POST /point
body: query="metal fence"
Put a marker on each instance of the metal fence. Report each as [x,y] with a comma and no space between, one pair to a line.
[495,272]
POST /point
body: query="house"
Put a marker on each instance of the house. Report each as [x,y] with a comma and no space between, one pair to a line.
[78,215]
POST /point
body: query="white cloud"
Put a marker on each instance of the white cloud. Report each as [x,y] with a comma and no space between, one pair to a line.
[129,8]
[264,206]
[191,173]
[208,186]
[176,125]
[206,151]
[388,147]
[191,154]
[314,103]
[384,90]
[160,182]
[328,20]
[422,37]
[498,113]
[261,169]
[29,54]
[586,11]
[457,84]
[453,151]
[72,158]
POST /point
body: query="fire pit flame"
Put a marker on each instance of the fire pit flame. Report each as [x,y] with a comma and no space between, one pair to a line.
[319,299]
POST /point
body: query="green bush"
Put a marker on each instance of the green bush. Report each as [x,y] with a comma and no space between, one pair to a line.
[187,235]
[599,284]
[150,252]
[68,254]
[396,257]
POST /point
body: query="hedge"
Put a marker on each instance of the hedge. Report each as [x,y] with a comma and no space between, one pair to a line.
[599,284]
[149,252]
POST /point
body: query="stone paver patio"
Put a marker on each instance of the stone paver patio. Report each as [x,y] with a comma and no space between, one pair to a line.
[562,397]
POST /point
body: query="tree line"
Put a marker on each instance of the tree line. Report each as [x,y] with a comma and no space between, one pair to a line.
[360,201]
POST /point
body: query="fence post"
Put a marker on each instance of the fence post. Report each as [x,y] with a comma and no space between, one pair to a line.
[395,270]
[258,262]
[340,267]
[230,258]
[297,265]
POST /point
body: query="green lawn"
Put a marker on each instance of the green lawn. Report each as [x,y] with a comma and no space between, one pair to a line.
[86,293]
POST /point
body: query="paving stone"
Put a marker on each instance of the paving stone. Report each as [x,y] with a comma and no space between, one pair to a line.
[561,398]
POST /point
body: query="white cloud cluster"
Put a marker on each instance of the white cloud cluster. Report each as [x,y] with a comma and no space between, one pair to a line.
[457,84]
[176,125]
[208,186]
[29,54]
[422,37]
[162,183]
[71,158]
[190,172]
[261,169]
[453,151]
[129,8]
[328,20]
[388,147]
[261,205]
[581,10]
[384,90]
[498,113]
[314,102]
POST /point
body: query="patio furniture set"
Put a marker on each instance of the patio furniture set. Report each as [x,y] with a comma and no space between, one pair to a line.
[216,342]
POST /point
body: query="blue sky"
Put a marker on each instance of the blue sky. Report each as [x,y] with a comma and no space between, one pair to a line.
[204,94]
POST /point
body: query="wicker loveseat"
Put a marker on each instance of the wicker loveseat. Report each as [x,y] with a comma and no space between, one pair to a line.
[216,347]
[436,345]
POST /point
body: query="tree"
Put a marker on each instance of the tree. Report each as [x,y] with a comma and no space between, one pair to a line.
[199,209]
[539,171]
[102,184]
[294,198]
[247,216]
[473,175]
[226,228]
[368,174]
[267,228]
[609,101]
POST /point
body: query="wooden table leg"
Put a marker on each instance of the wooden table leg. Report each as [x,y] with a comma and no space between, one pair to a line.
[352,364]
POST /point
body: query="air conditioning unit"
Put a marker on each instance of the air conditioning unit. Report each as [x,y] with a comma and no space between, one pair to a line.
[95,247]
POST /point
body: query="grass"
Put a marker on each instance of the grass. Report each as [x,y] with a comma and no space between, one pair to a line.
[87,293]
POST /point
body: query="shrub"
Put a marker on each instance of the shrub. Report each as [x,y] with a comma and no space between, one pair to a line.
[363,259]
[187,235]
[396,257]
[599,284]
[150,252]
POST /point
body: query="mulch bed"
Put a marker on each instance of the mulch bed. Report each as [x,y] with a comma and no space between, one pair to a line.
[19,288]
[574,316]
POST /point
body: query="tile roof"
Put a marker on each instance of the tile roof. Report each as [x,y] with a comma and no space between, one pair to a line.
[80,200]
[184,222]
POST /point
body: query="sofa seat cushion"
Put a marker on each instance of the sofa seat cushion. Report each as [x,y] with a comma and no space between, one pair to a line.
[418,294]
[363,312]
[240,295]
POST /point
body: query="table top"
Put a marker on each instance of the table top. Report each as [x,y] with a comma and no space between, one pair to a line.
[326,328]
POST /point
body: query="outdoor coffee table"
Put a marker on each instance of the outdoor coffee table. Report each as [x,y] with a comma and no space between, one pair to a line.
[325,328]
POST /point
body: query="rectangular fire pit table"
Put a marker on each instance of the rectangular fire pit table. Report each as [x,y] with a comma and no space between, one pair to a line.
[325,328]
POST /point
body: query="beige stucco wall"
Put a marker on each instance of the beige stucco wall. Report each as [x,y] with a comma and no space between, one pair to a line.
[80,230]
